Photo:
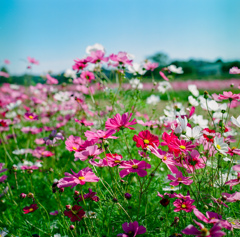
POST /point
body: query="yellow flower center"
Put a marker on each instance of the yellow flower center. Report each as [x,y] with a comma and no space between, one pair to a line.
[234,148]
[130,232]
[74,148]
[165,158]
[205,232]
[117,161]
[31,209]
[74,212]
[233,223]
[182,147]
[146,141]
[172,187]
[179,179]
[81,178]
[92,213]
[184,206]
[218,147]
[135,166]
[31,117]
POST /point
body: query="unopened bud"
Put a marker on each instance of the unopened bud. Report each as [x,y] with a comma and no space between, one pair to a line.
[128,195]
[22,195]
[72,227]
[30,195]
[61,190]
[68,207]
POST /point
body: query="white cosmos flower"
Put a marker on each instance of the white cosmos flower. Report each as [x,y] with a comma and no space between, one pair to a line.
[193,89]
[11,114]
[20,152]
[236,121]
[14,86]
[135,83]
[198,119]
[136,68]
[192,101]
[153,99]
[220,145]
[164,86]
[94,47]
[14,105]
[3,232]
[192,133]
[175,69]
[171,188]
[182,124]
[62,96]
[70,73]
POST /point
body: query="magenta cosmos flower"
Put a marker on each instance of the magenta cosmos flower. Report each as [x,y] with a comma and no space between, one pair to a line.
[121,59]
[163,76]
[179,179]
[83,176]
[83,122]
[51,80]
[91,152]
[132,229]
[30,116]
[179,146]
[145,139]
[97,57]
[233,182]
[120,122]
[86,75]
[212,218]
[76,213]
[184,205]
[134,166]
[80,64]
[90,195]
[214,232]
[100,135]
[2,178]
[113,159]
[234,197]
[31,208]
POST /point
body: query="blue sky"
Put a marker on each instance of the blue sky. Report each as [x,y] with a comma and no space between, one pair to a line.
[57,31]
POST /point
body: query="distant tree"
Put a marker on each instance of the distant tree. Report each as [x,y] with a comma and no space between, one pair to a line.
[219,60]
[160,58]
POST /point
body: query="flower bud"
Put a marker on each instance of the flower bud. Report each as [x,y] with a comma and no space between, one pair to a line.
[22,195]
[164,202]
[128,195]
[30,195]
[114,200]
[61,190]
[68,207]
[76,192]
[95,199]
[72,227]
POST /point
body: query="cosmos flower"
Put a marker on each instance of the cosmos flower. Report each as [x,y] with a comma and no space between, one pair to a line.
[76,213]
[145,139]
[31,208]
[32,61]
[120,122]
[72,180]
[134,166]
[132,229]
[184,205]
[90,152]
[179,179]
[30,116]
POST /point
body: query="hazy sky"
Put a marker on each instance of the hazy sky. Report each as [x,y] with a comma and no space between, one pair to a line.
[57,31]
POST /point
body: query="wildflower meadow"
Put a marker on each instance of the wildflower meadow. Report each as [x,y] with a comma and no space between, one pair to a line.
[107,154]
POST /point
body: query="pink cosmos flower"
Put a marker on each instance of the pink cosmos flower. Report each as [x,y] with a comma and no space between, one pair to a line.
[80,64]
[134,166]
[145,139]
[86,75]
[121,59]
[215,231]
[212,218]
[97,56]
[179,146]
[163,76]
[233,151]
[120,122]
[4,74]
[234,70]
[29,167]
[166,158]
[219,202]
[132,229]
[74,143]
[31,208]
[2,178]
[231,197]
[54,213]
[51,80]
[75,214]
[113,159]
[41,152]
[83,122]
[30,116]
[90,152]
[100,163]
[233,182]
[100,135]
[228,95]
[32,61]
[184,205]
[31,130]
[150,124]
[150,66]
[179,179]
[83,176]
[6,61]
